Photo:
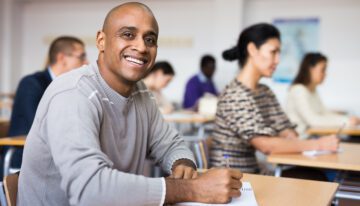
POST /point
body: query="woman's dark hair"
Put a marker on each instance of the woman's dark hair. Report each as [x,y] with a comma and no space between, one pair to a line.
[164,66]
[258,34]
[308,62]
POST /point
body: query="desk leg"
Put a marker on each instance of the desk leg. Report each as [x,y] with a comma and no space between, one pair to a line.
[7,160]
[278,170]
[201,131]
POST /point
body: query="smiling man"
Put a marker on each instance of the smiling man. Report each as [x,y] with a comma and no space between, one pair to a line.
[95,127]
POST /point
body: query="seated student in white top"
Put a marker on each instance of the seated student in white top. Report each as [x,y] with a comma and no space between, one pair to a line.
[158,78]
[304,106]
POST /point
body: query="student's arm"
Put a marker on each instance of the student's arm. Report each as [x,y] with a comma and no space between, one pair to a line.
[288,133]
[271,145]
[214,186]
[167,147]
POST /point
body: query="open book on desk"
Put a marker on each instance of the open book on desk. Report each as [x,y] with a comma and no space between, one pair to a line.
[320,152]
[247,198]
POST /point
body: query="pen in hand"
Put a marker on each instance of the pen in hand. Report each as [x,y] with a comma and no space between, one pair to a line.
[227,164]
[340,129]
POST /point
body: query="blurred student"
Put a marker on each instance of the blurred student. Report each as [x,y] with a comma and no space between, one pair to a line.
[200,83]
[249,117]
[304,105]
[158,78]
[65,53]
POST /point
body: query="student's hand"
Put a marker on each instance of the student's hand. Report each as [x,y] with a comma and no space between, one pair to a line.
[354,121]
[183,169]
[218,185]
[330,143]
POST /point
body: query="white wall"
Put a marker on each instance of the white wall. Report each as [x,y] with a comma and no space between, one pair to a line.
[10,27]
[188,29]
[339,41]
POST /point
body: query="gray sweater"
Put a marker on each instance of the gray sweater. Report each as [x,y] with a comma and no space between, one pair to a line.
[88,144]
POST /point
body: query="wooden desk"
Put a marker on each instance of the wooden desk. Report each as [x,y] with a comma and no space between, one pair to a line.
[354,131]
[270,191]
[12,142]
[347,159]
[4,121]
[188,117]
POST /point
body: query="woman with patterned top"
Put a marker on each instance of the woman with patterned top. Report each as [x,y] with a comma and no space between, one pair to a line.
[248,116]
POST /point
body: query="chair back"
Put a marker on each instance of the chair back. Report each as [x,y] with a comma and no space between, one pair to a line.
[11,188]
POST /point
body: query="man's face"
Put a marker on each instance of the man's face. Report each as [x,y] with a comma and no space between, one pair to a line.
[209,69]
[130,44]
[75,59]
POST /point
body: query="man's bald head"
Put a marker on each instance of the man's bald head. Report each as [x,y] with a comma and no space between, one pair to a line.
[122,8]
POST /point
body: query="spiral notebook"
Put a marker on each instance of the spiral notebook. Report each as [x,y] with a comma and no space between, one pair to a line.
[247,198]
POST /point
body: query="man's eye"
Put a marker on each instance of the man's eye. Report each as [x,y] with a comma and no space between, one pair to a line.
[128,35]
[150,41]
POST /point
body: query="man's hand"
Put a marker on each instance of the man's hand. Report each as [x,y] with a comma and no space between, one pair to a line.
[214,186]
[218,185]
[183,169]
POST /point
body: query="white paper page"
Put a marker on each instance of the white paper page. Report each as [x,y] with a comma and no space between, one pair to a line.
[319,152]
[179,115]
[247,198]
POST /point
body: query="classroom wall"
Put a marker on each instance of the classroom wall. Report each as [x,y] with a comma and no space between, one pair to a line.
[11,23]
[339,41]
[188,29]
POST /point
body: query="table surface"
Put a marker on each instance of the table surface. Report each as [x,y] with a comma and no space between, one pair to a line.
[13,141]
[4,121]
[279,191]
[188,117]
[346,159]
[355,131]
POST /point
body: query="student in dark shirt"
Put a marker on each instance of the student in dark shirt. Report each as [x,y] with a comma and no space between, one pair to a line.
[65,53]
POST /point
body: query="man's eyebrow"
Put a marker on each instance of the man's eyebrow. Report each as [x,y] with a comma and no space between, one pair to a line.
[132,28]
[152,33]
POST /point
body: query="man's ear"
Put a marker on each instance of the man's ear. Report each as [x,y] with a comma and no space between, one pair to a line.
[100,41]
[60,58]
[251,48]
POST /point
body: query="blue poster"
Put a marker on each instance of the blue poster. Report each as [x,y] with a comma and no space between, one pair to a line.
[298,36]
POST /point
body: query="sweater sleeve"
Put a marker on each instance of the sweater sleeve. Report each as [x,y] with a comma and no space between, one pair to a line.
[87,174]
[312,111]
[166,145]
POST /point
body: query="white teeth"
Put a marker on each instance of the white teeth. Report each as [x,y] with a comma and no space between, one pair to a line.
[136,61]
